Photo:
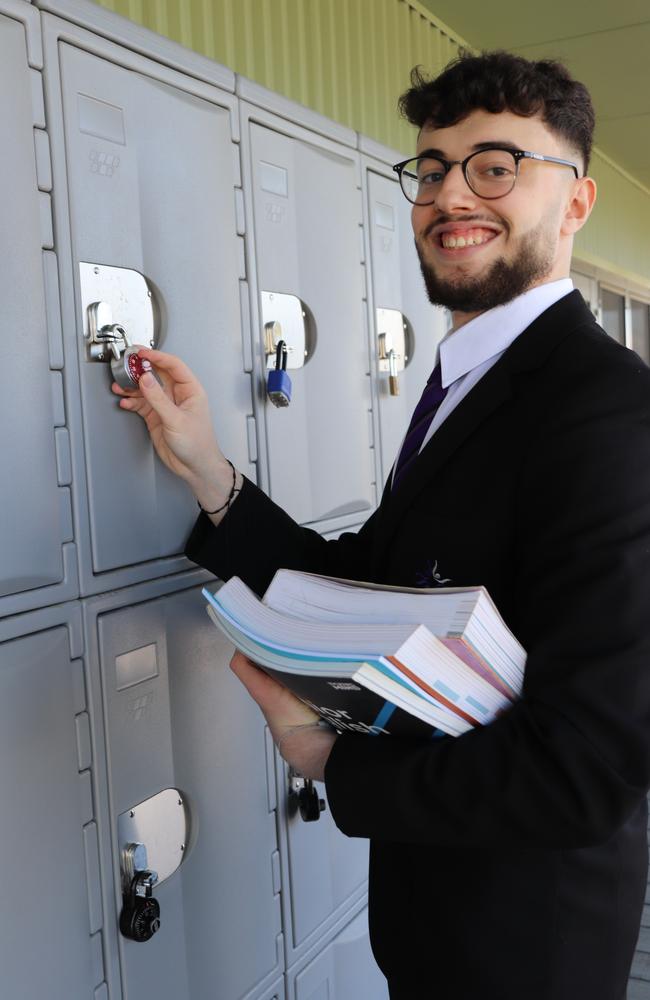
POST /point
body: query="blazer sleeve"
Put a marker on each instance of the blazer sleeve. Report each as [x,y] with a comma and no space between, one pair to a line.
[257,537]
[570,761]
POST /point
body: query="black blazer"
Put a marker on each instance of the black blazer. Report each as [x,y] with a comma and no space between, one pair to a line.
[510,863]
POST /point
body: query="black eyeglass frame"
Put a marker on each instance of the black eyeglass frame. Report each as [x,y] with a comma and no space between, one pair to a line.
[517,154]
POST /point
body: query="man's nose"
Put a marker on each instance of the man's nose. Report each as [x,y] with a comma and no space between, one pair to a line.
[455,194]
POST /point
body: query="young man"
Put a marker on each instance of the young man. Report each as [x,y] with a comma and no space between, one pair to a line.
[510,863]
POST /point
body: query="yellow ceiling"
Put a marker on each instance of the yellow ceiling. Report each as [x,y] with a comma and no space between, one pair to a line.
[604,44]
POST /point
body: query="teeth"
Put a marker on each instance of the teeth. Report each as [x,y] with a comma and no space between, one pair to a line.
[453,242]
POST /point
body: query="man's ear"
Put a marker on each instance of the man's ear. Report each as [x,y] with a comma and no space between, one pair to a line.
[579,206]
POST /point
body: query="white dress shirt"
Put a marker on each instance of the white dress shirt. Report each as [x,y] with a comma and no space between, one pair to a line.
[466,354]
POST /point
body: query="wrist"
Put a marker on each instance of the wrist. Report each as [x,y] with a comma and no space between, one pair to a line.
[213,486]
[216,514]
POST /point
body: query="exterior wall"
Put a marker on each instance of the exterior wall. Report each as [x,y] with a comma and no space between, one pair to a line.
[350,60]
[616,236]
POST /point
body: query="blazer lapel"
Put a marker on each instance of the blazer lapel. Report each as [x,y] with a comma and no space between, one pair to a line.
[530,350]
[486,396]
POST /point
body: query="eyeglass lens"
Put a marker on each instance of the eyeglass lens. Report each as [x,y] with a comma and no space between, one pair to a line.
[490,173]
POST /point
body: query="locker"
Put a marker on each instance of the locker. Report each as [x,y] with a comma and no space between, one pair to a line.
[173,717]
[399,306]
[308,280]
[51,919]
[37,558]
[153,201]
[149,228]
[345,969]
[326,873]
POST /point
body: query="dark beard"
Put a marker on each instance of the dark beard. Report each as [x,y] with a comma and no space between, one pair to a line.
[502,283]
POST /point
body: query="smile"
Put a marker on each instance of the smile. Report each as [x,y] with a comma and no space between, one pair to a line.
[466,238]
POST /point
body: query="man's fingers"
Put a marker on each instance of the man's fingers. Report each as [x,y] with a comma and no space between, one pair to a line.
[280,706]
[158,401]
[257,683]
[126,393]
[169,364]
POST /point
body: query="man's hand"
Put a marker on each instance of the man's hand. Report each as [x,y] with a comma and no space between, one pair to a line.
[306,750]
[176,412]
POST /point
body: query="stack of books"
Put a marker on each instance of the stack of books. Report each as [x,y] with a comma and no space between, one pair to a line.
[377,659]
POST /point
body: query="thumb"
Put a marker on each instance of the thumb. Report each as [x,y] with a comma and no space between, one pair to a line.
[157,399]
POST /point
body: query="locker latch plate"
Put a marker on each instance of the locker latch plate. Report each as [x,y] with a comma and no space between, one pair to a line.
[120,312]
[161,823]
[392,337]
[284,318]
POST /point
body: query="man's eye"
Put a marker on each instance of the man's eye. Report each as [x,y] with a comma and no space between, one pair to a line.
[432,177]
[496,170]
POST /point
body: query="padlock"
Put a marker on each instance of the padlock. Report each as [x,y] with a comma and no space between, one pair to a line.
[304,794]
[393,381]
[309,802]
[128,368]
[279,384]
[140,916]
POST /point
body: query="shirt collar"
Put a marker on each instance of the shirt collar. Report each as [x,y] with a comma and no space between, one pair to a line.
[493,331]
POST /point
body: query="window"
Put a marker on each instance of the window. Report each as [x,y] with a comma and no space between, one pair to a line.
[640,316]
[613,314]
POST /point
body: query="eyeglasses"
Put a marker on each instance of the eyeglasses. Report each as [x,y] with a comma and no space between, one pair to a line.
[490,173]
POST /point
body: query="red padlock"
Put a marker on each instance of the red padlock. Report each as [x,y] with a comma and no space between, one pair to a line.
[129,369]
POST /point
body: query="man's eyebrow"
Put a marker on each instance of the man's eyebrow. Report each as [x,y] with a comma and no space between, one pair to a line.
[503,143]
[439,154]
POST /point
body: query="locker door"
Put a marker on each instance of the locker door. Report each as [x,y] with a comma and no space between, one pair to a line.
[176,717]
[51,914]
[345,969]
[36,561]
[307,214]
[327,873]
[398,289]
[151,172]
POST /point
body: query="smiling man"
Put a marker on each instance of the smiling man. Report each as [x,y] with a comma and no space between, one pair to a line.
[509,863]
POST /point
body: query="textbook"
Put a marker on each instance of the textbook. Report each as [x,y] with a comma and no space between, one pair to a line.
[378,659]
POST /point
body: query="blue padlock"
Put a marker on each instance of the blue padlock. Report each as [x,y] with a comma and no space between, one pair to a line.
[279,384]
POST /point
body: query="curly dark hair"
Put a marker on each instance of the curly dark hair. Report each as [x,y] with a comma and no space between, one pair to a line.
[500,81]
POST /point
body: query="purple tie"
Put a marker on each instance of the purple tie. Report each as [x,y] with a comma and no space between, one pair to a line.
[423,414]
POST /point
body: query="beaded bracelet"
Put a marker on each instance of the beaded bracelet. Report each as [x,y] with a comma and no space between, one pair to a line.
[230,497]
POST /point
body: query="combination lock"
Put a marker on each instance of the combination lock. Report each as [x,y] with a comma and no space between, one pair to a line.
[128,368]
[140,916]
[304,793]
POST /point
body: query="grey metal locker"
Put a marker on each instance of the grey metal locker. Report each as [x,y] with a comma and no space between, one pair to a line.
[51,918]
[144,161]
[344,969]
[399,307]
[37,559]
[308,280]
[172,716]
[148,218]
[326,873]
